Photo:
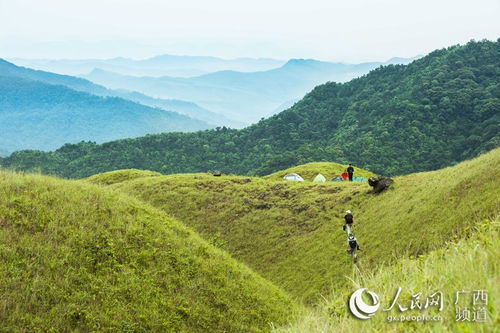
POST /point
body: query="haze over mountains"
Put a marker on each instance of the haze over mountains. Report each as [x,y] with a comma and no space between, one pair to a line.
[37,115]
[434,112]
[40,110]
[241,96]
[162,65]
[187,108]
[241,90]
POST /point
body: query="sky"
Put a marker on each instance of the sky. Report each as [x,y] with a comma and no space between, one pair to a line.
[348,31]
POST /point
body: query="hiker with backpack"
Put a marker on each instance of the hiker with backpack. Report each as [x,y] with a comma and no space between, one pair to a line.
[350,172]
[352,247]
[349,220]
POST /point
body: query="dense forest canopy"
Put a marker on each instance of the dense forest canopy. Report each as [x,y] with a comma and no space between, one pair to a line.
[434,112]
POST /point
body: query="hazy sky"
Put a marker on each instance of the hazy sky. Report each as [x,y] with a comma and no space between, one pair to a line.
[349,30]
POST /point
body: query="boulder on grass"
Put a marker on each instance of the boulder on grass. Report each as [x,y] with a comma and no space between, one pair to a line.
[379,184]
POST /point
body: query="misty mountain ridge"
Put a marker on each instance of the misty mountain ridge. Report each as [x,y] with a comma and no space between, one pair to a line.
[183,107]
[37,115]
[161,65]
[429,114]
[243,96]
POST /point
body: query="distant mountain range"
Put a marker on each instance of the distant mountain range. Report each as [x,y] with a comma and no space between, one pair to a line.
[39,110]
[431,113]
[43,110]
[183,107]
[242,96]
[162,65]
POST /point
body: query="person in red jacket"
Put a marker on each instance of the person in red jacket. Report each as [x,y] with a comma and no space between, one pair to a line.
[344,175]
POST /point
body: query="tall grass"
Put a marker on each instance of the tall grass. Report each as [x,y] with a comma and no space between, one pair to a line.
[469,264]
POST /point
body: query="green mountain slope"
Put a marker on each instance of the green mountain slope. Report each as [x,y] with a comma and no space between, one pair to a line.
[292,234]
[36,115]
[434,112]
[78,257]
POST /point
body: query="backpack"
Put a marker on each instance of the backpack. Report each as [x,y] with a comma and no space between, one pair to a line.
[348,218]
[353,244]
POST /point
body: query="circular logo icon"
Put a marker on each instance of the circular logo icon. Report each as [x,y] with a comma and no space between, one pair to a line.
[359,308]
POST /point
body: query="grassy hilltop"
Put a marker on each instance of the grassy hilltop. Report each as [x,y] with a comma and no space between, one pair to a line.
[78,257]
[291,232]
[309,170]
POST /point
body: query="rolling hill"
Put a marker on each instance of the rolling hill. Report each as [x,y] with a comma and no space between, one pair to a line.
[183,107]
[291,233]
[36,115]
[78,257]
[310,170]
[242,96]
[125,253]
[438,110]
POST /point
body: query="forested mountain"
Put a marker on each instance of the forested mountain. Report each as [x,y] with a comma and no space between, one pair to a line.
[187,108]
[241,96]
[434,112]
[36,115]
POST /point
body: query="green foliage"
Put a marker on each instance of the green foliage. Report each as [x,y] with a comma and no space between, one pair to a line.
[291,233]
[78,257]
[434,112]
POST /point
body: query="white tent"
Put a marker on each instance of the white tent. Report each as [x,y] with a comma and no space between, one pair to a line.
[294,177]
[319,178]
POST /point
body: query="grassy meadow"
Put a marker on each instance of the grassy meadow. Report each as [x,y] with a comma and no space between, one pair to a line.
[134,250]
[291,233]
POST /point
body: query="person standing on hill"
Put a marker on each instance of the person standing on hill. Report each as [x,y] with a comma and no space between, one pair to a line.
[350,172]
[349,220]
[352,247]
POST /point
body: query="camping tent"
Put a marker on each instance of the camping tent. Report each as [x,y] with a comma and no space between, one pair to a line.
[359,179]
[319,178]
[294,177]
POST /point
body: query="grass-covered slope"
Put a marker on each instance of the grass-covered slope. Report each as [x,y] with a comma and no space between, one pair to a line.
[328,169]
[470,264]
[78,257]
[292,232]
[119,176]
